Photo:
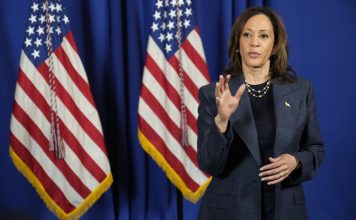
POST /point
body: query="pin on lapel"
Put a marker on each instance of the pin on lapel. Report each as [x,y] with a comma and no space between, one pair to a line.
[287,104]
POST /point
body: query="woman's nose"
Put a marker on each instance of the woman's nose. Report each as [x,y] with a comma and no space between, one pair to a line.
[255,41]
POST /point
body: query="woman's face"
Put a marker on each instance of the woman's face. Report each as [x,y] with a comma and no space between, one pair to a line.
[256,42]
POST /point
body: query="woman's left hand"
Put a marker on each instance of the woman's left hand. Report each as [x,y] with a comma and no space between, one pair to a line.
[278,169]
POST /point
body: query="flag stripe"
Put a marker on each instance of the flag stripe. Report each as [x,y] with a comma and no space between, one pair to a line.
[71,105]
[165,99]
[192,68]
[196,42]
[44,109]
[80,169]
[171,76]
[51,188]
[69,38]
[25,138]
[170,109]
[71,50]
[56,135]
[90,163]
[171,126]
[166,89]
[146,113]
[42,141]
[170,157]
[197,54]
[83,103]
[174,71]
[82,85]
[88,145]
[187,80]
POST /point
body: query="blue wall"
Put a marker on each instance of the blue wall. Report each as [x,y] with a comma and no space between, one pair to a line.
[112,37]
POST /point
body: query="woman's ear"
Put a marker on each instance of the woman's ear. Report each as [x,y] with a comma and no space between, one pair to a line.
[273,54]
[274,51]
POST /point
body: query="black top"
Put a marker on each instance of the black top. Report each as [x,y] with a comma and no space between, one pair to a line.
[265,121]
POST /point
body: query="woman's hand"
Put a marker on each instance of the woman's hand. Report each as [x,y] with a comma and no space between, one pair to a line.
[279,168]
[226,102]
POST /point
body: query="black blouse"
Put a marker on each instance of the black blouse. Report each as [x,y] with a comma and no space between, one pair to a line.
[265,121]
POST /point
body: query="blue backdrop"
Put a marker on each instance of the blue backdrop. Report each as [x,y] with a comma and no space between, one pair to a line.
[112,36]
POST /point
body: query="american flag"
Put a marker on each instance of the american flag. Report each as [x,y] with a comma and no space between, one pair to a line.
[56,138]
[175,68]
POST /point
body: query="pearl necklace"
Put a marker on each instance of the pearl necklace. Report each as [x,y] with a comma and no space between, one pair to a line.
[258,93]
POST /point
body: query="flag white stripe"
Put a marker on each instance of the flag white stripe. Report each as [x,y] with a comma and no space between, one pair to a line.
[195,40]
[51,170]
[41,121]
[192,71]
[74,59]
[71,123]
[84,139]
[171,143]
[171,76]
[159,93]
[79,99]
[79,169]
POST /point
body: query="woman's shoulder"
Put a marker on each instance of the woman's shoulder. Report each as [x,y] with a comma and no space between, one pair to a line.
[302,82]
[297,82]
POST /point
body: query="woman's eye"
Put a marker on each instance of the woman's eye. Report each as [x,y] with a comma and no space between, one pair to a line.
[264,36]
[246,35]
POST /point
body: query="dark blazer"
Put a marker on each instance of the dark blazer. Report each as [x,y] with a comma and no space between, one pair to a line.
[234,159]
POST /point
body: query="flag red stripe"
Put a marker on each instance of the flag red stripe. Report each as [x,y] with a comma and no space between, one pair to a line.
[161,79]
[74,144]
[173,162]
[67,100]
[82,85]
[189,84]
[192,121]
[36,134]
[196,58]
[51,188]
[36,97]
[169,89]
[172,128]
[84,122]
[88,162]
[71,40]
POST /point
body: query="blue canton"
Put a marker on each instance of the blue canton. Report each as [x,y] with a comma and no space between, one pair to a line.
[164,25]
[36,44]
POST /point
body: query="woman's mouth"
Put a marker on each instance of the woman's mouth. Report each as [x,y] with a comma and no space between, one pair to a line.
[253,54]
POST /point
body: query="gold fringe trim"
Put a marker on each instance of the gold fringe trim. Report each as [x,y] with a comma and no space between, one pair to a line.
[170,172]
[51,204]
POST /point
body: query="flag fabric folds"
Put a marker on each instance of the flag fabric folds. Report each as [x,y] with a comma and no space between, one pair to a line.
[56,138]
[175,69]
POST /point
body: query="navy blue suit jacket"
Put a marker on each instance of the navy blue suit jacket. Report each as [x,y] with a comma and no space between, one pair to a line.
[234,159]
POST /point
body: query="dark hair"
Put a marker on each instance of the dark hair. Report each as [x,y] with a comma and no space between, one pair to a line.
[280,71]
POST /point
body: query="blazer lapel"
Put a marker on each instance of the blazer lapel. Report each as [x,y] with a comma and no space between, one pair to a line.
[286,104]
[243,122]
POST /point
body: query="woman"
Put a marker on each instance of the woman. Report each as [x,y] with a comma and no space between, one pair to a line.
[258,133]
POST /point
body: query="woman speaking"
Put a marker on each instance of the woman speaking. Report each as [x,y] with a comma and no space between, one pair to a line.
[258,132]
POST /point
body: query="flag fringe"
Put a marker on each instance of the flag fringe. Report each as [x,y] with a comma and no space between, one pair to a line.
[170,172]
[50,203]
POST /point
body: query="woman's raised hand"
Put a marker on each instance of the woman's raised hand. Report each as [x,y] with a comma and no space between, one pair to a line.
[226,103]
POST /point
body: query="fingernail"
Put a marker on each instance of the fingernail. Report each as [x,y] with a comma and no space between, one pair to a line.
[263,179]
[260,174]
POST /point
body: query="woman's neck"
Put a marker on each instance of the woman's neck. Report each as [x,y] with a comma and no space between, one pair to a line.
[257,75]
